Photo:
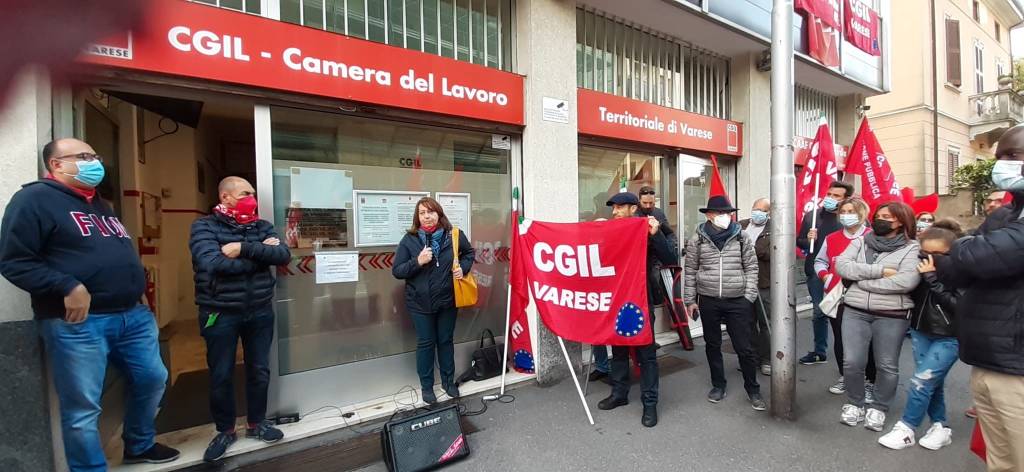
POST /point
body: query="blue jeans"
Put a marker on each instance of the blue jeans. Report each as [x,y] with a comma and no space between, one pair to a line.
[256,329]
[934,356]
[78,356]
[601,358]
[816,288]
[435,333]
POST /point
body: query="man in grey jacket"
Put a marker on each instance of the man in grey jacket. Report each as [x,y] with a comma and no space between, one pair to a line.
[721,284]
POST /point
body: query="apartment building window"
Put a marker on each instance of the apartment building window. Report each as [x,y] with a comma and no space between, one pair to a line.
[1000,68]
[811,105]
[627,60]
[979,67]
[999,33]
[953,163]
[953,52]
[248,6]
[976,10]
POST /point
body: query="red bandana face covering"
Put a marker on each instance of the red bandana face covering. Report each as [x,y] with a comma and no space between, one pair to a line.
[244,211]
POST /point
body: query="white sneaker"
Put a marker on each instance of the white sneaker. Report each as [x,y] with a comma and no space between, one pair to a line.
[901,437]
[874,419]
[852,415]
[869,392]
[838,388]
[937,437]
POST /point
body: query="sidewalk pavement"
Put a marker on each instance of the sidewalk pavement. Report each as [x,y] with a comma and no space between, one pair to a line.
[546,428]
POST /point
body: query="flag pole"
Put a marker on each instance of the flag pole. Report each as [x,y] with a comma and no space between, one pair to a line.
[508,298]
[576,381]
[814,213]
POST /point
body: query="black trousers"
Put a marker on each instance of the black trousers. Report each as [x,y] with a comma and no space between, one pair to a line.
[736,313]
[870,371]
[647,356]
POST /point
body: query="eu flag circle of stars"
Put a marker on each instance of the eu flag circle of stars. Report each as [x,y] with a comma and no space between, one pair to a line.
[630,320]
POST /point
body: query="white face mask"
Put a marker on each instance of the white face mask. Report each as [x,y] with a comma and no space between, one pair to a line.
[722,221]
[1006,175]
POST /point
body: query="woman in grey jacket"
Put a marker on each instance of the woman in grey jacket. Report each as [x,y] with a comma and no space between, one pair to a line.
[881,268]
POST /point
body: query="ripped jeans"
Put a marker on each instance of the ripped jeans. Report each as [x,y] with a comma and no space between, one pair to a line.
[934,356]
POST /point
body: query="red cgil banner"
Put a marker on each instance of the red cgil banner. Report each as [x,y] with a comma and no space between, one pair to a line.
[862,27]
[818,173]
[192,40]
[588,279]
[611,116]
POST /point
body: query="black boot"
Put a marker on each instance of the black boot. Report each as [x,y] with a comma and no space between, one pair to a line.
[450,388]
[428,396]
[612,403]
[650,418]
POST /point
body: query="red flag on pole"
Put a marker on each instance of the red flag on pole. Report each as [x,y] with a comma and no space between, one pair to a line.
[819,172]
[867,160]
[717,186]
[519,326]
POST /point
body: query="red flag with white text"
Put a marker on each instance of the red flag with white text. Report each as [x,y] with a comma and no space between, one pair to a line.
[520,345]
[820,166]
[588,280]
[867,159]
[717,187]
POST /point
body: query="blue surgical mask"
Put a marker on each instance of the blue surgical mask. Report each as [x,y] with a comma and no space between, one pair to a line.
[849,219]
[830,204]
[759,217]
[1006,175]
[923,225]
[90,173]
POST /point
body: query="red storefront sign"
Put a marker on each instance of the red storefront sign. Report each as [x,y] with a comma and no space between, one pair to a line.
[611,116]
[802,149]
[826,10]
[862,27]
[191,40]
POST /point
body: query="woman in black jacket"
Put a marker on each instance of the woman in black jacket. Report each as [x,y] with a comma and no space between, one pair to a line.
[425,261]
[933,337]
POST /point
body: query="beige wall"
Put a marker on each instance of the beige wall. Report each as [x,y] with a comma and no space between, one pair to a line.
[903,118]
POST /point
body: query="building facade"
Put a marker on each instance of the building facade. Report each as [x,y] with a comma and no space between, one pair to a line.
[343,112]
[950,99]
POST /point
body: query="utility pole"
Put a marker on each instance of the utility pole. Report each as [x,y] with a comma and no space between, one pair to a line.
[783,216]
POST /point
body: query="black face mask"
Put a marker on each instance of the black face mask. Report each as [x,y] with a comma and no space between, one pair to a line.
[882,227]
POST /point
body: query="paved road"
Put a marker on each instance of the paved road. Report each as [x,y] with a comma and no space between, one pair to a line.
[546,429]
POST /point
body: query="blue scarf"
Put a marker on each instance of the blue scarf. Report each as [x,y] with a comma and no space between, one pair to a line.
[435,240]
[720,236]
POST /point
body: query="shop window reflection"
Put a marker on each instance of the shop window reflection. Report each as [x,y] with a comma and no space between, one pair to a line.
[321,325]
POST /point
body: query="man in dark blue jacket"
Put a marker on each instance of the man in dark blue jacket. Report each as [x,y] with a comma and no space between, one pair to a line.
[233,252]
[63,244]
[990,326]
[659,253]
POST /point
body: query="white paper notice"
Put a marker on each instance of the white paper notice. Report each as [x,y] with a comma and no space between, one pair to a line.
[457,207]
[336,267]
[321,188]
[555,109]
[383,217]
[501,141]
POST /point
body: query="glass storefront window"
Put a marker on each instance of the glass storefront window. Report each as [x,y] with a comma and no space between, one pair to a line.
[322,325]
[603,172]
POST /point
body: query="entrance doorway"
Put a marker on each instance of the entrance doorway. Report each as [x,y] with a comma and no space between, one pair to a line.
[164,154]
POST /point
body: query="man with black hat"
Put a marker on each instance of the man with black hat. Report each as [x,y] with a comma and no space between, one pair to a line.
[721,284]
[624,205]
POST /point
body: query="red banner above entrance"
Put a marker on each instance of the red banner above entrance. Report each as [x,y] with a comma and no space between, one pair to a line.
[186,39]
[611,116]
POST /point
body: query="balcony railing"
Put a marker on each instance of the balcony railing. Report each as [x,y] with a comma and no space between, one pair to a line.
[999,106]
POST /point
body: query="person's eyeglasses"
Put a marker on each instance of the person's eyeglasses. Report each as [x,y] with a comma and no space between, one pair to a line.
[646,192]
[1011,155]
[926,220]
[82,156]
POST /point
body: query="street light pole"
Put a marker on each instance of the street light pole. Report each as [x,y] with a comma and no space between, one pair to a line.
[783,216]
